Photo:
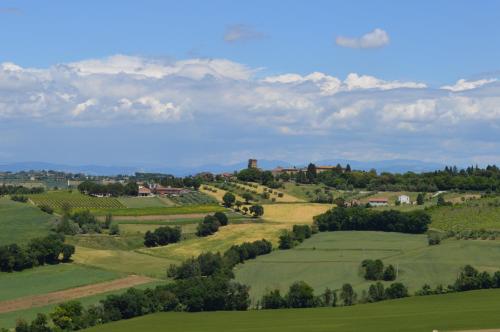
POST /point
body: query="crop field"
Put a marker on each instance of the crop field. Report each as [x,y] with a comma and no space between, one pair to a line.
[471,215]
[75,200]
[50,278]
[20,222]
[452,312]
[332,259]
[297,213]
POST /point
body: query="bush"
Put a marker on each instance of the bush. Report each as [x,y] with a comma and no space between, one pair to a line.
[162,236]
[208,226]
[222,218]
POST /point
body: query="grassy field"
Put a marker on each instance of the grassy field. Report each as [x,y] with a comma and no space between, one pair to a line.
[475,214]
[123,261]
[50,278]
[332,259]
[20,222]
[452,312]
[151,211]
[220,241]
[8,320]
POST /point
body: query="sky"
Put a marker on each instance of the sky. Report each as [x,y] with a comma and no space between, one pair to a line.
[187,83]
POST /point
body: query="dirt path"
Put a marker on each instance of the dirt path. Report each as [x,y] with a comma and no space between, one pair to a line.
[72,293]
[157,217]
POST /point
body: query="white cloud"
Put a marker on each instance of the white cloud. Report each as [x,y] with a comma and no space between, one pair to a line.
[356,112]
[241,32]
[462,84]
[374,39]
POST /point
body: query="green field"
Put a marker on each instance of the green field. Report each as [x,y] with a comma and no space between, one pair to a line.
[452,312]
[144,202]
[75,200]
[150,211]
[20,222]
[50,278]
[332,259]
[8,320]
[472,215]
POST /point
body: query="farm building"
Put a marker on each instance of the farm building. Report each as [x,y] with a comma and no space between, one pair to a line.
[378,201]
[160,190]
[404,199]
[144,192]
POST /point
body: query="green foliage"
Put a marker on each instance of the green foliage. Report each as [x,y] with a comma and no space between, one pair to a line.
[39,251]
[208,226]
[162,236]
[348,295]
[300,295]
[228,199]
[359,218]
[257,210]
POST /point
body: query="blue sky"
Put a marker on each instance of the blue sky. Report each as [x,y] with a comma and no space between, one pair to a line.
[193,82]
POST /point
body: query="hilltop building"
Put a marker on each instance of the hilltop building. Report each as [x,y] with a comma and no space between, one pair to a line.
[252,163]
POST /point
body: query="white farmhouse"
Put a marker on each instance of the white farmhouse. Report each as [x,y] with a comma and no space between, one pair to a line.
[404,199]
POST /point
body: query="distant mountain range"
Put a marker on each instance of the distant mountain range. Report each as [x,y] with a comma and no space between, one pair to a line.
[393,166]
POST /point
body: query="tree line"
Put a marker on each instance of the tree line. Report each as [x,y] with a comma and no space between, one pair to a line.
[361,218]
[19,190]
[200,284]
[449,178]
[112,189]
[39,251]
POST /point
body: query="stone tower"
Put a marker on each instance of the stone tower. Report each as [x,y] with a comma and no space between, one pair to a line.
[252,163]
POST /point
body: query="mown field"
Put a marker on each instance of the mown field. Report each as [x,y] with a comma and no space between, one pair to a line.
[333,258]
[50,278]
[20,222]
[452,312]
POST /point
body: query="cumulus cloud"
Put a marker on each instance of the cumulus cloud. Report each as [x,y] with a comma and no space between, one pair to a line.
[241,32]
[374,39]
[361,111]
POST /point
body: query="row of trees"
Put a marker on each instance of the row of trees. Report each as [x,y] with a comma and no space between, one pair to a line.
[162,236]
[39,251]
[20,190]
[111,189]
[301,295]
[361,218]
[200,284]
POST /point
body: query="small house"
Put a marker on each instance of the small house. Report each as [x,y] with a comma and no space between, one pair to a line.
[144,192]
[404,199]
